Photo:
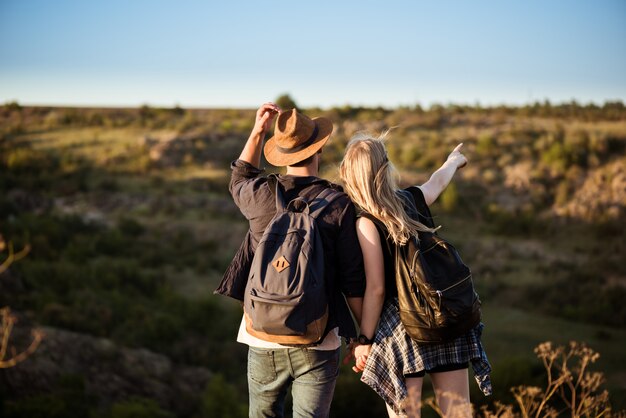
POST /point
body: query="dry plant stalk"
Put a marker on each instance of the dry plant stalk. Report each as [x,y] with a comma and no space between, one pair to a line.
[502,411]
[456,405]
[8,319]
[573,383]
[13,256]
[433,404]
[568,377]
[578,390]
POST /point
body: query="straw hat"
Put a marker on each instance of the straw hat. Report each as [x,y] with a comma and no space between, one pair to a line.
[296,138]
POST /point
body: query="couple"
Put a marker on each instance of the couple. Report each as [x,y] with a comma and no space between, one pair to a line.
[359,276]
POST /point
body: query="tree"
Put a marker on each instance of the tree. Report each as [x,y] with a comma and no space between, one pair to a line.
[285,102]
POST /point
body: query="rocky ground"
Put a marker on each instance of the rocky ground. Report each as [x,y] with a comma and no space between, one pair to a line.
[111,372]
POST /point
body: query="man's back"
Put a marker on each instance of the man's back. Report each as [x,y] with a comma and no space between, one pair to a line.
[256,199]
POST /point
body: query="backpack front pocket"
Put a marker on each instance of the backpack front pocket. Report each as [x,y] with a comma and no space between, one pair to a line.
[276,313]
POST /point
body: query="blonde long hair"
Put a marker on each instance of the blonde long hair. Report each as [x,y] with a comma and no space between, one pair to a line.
[371,181]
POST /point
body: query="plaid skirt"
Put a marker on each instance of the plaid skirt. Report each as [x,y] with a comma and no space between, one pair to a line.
[394,354]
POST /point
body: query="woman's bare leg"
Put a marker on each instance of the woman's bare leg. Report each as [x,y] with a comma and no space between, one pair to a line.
[413,401]
[452,393]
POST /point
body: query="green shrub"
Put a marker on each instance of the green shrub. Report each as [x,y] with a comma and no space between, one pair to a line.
[26,161]
[486,145]
[509,372]
[112,243]
[58,277]
[7,208]
[577,147]
[80,249]
[285,102]
[136,407]
[151,328]
[449,198]
[410,155]
[349,388]
[221,400]
[41,406]
[68,399]
[518,223]
[556,157]
[12,106]
[590,300]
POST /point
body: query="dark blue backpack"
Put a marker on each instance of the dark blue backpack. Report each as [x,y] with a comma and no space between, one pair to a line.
[286,300]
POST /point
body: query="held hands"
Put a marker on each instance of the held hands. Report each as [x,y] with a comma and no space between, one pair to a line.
[264,117]
[359,353]
[456,158]
[350,354]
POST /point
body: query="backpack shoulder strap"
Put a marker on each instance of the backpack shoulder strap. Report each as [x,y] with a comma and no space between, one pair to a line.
[381,228]
[274,186]
[409,202]
[322,200]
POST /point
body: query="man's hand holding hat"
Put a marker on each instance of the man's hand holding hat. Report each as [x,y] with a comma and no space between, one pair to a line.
[251,152]
[264,118]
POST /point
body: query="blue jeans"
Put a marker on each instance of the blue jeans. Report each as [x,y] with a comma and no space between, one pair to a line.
[313,374]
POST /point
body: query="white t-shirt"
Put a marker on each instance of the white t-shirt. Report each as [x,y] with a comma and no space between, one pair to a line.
[330,342]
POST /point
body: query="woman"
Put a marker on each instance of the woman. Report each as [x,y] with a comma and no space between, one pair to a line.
[392,363]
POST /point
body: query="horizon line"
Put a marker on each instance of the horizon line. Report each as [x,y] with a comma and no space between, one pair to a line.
[475,104]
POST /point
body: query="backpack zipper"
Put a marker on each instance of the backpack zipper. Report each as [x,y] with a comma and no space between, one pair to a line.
[440,292]
[454,285]
[412,271]
[437,242]
[425,251]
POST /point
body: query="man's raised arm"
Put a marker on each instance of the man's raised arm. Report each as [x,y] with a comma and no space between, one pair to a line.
[251,152]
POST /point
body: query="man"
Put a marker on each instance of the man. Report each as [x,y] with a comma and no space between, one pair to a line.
[272,368]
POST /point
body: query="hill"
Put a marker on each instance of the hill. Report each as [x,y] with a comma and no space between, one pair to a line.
[130,222]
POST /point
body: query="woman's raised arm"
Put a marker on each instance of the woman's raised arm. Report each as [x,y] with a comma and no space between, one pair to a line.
[440,179]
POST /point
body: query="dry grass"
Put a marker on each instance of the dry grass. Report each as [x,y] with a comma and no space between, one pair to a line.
[571,389]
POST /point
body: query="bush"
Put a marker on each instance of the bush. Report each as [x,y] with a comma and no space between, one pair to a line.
[221,400]
[59,277]
[12,106]
[589,300]
[514,371]
[285,102]
[410,155]
[26,161]
[68,399]
[518,223]
[449,198]
[486,145]
[112,243]
[349,388]
[136,408]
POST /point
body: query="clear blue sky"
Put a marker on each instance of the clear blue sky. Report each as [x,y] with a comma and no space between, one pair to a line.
[239,54]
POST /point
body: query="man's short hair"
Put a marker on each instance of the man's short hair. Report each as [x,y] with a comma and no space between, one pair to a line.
[306,161]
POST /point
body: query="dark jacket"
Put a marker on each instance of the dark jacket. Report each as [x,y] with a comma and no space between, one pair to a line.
[343,259]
